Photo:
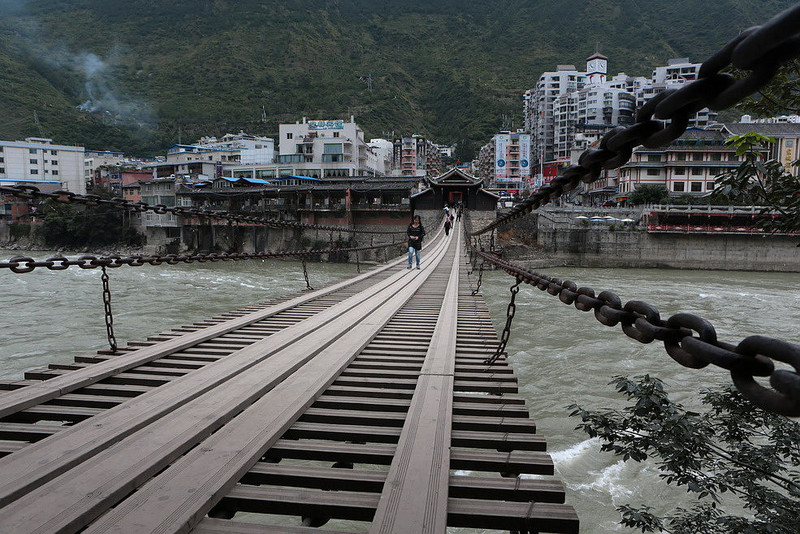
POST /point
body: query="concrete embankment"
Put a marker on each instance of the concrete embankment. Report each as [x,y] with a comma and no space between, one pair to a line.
[544,239]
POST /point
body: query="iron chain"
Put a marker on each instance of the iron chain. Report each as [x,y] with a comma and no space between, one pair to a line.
[25,264]
[512,309]
[761,50]
[112,341]
[305,275]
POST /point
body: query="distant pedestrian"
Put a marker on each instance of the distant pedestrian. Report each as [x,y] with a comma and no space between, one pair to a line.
[416,232]
[458,214]
[447,225]
[446,211]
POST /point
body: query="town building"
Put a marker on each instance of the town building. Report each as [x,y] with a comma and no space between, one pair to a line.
[414,155]
[687,166]
[39,160]
[566,100]
[94,159]
[504,163]
[786,133]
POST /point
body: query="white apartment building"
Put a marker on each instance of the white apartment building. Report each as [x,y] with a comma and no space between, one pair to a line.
[564,99]
[39,160]
[594,105]
[505,161]
[383,149]
[333,147]
[252,149]
[317,149]
[540,118]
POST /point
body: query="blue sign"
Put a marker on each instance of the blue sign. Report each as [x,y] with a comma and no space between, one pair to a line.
[523,163]
[501,163]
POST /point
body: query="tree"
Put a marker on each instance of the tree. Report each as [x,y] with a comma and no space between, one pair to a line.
[734,448]
[75,225]
[649,194]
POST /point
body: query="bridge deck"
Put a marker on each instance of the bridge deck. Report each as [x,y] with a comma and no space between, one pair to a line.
[364,407]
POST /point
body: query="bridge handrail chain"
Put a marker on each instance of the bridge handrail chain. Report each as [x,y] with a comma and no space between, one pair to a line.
[69,197]
[26,264]
[688,339]
[760,50]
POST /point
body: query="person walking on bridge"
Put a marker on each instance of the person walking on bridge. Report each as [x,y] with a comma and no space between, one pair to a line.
[415,233]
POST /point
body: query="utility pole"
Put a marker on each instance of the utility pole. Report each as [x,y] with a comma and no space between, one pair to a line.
[38,124]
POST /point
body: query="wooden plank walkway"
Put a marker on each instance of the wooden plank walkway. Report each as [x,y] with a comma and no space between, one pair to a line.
[361,407]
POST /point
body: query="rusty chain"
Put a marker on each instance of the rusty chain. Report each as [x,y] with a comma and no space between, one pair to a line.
[305,275]
[689,339]
[112,341]
[25,264]
[512,309]
[760,49]
[69,197]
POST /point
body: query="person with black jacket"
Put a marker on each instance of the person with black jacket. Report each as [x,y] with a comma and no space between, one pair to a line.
[415,233]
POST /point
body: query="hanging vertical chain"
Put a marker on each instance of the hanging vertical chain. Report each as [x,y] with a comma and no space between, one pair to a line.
[358,265]
[112,341]
[305,275]
[385,256]
[491,242]
[512,308]
[480,279]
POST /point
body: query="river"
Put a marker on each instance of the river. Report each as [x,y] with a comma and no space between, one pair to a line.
[561,355]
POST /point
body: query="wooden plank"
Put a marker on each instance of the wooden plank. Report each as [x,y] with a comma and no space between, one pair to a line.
[414,499]
[228,454]
[222,526]
[507,515]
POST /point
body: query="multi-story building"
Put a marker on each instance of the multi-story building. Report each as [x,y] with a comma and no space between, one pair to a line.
[688,165]
[540,118]
[786,133]
[414,155]
[94,159]
[505,162]
[565,99]
[40,160]
[325,148]
[251,149]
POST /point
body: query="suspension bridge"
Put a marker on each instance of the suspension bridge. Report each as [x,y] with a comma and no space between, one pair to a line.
[382,403]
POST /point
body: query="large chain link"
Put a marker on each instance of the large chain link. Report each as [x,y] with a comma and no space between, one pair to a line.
[761,50]
[25,264]
[689,339]
[69,197]
[112,341]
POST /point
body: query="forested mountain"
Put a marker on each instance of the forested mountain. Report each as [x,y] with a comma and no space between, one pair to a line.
[137,75]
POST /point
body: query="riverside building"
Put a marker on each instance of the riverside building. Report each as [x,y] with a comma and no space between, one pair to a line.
[38,160]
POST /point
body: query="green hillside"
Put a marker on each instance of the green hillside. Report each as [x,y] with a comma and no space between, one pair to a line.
[149,73]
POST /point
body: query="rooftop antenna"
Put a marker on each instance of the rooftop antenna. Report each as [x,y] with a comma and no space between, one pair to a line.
[366,78]
[263,114]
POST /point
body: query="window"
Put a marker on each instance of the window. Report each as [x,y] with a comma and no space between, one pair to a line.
[789,143]
[288,135]
[1,159]
[680,171]
[697,187]
[677,186]
[336,134]
[332,148]
[709,186]
[716,157]
[54,152]
[54,161]
[32,151]
[55,173]
[34,171]
[34,161]
[653,157]
[680,156]
[2,170]
[653,172]
[697,156]
[697,171]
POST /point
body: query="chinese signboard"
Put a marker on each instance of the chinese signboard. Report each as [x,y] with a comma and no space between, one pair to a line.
[325,125]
